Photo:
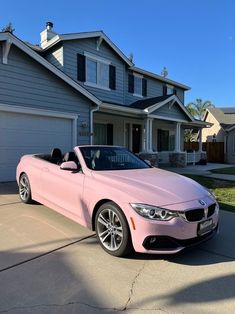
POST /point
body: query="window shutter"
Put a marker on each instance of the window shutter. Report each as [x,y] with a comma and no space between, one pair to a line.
[144,87]
[81,67]
[174,91]
[130,83]
[112,77]
[109,134]
[164,90]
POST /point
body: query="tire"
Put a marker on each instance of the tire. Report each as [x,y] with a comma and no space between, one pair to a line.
[112,230]
[25,189]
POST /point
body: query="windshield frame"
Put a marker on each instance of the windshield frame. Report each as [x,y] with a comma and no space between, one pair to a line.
[92,154]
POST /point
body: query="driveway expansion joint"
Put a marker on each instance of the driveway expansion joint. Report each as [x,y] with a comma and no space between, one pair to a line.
[46,253]
[131,292]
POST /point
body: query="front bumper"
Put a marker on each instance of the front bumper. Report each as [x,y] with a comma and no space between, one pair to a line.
[161,237]
[168,244]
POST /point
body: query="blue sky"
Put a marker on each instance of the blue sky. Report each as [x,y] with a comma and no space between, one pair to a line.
[194,39]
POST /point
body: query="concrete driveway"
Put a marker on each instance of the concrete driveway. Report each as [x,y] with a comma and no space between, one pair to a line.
[48,264]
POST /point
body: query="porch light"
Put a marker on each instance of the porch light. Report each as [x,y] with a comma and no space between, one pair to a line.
[84,124]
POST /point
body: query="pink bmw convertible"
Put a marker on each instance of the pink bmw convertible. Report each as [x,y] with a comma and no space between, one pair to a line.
[128,203]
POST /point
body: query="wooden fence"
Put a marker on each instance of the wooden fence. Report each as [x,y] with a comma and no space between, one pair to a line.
[214,150]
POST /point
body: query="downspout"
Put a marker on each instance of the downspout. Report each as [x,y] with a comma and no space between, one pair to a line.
[91,123]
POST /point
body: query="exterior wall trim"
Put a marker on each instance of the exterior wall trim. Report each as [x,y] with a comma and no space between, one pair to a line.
[45,113]
[166,118]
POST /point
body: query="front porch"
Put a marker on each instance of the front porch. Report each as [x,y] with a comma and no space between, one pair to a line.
[155,133]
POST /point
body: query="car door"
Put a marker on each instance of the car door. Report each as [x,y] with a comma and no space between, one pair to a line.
[63,190]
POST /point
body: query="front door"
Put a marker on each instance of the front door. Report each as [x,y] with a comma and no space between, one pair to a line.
[136,138]
[162,140]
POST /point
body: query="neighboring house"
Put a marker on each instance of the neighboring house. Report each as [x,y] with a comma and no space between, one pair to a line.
[223,130]
[81,89]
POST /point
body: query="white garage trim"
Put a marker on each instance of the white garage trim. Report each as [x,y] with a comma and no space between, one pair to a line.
[45,113]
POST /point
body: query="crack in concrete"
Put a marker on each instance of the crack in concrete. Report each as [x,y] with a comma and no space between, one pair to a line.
[132,287]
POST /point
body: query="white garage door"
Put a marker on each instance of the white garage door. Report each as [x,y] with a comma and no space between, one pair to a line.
[22,133]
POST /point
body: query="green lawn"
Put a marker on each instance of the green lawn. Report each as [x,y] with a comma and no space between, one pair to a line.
[229,170]
[223,190]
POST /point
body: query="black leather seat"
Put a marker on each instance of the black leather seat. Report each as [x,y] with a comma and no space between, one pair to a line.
[70,156]
[56,156]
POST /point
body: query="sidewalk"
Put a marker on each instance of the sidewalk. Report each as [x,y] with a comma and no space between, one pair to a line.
[204,170]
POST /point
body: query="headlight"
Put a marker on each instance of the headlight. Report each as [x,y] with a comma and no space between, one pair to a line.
[153,212]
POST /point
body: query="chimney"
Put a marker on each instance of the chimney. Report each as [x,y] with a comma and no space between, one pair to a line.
[47,34]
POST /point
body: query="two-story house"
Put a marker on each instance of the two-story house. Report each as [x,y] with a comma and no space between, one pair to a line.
[81,89]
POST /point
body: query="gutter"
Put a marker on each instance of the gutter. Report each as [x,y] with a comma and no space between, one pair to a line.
[91,123]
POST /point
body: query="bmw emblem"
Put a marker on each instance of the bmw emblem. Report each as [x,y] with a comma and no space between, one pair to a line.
[202,202]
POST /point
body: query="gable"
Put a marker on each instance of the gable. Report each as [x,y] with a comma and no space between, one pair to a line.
[172,111]
[8,40]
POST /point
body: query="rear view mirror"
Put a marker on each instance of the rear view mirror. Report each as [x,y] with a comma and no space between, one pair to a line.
[69,165]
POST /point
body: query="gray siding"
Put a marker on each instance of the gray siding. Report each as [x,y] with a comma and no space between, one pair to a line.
[154,89]
[174,112]
[118,96]
[24,82]
[55,57]
[71,48]
[180,94]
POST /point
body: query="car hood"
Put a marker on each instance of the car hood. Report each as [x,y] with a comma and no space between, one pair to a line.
[151,186]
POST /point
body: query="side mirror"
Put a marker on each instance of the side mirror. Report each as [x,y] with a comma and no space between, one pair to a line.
[69,165]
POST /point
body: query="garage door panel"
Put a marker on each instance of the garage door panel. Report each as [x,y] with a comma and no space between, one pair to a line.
[22,134]
[30,138]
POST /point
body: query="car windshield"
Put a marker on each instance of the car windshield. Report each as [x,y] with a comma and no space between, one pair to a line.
[111,158]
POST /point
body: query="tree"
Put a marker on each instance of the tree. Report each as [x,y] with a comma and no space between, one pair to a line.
[190,136]
[198,108]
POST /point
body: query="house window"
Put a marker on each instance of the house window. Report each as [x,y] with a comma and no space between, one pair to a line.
[91,70]
[96,71]
[137,85]
[163,140]
[169,90]
[103,134]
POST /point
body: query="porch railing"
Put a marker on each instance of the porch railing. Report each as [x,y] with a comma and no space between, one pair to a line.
[193,157]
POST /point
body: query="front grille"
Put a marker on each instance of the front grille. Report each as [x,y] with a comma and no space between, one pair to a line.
[198,214]
[211,210]
[194,214]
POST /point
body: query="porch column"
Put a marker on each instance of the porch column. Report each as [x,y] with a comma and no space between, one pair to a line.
[177,137]
[144,136]
[148,143]
[200,140]
[150,135]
